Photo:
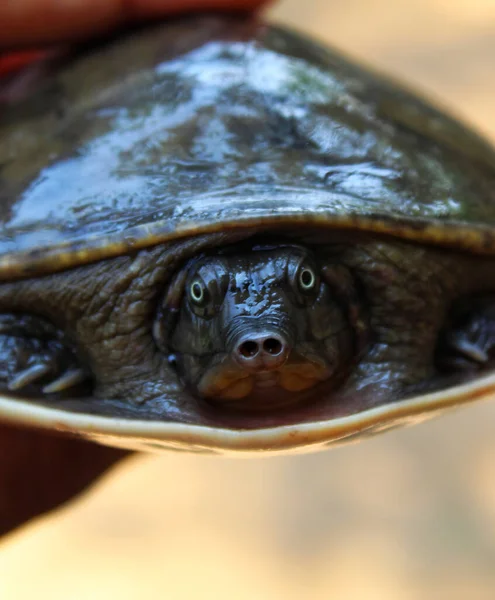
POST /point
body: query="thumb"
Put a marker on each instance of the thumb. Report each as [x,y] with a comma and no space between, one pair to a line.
[40,22]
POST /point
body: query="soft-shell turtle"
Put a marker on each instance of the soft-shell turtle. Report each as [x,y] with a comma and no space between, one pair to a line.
[218,235]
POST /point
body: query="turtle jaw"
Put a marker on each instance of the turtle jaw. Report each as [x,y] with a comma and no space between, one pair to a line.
[225,383]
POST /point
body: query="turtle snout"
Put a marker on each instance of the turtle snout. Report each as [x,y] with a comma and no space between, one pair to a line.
[261,351]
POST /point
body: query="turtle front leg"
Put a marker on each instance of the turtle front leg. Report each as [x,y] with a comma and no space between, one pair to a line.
[35,357]
[468,342]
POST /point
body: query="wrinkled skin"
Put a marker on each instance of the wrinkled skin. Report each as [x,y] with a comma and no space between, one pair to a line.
[109,317]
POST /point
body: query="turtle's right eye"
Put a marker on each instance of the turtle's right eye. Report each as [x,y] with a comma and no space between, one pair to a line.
[198,293]
[206,288]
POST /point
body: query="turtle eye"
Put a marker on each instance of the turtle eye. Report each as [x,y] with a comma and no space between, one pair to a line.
[198,293]
[306,279]
[206,288]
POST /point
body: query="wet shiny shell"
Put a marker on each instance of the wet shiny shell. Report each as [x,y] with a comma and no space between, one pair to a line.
[210,124]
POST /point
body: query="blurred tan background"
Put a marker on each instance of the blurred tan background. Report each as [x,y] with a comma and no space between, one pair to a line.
[409,515]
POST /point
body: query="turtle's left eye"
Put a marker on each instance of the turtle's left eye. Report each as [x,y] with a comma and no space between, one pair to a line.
[306,279]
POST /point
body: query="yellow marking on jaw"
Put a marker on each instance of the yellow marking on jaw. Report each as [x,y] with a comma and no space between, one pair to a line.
[219,380]
[237,390]
[295,382]
[298,377]
[228,384]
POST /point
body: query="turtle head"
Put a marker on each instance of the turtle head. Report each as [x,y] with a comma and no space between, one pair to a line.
[256,330]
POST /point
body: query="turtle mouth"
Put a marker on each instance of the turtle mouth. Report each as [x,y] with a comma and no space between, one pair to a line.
[266,379]
[229,385]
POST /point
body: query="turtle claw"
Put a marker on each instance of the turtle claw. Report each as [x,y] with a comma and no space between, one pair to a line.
[469,343]
[470,351]
[36,357]
[28,376]
[67,380]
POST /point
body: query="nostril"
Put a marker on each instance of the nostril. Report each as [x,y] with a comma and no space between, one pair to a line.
[248,349]
[272,346]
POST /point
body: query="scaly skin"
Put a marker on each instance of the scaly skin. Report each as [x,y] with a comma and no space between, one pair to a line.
[106,312]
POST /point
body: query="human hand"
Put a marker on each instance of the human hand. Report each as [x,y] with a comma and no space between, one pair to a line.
[40,471]
[42,22]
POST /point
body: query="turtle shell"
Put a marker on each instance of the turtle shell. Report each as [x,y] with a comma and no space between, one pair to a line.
[218,124]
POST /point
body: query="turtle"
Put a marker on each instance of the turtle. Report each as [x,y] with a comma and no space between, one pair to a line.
[220,236]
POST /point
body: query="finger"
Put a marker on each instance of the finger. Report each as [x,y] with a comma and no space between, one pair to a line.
[26,22]
[35,22]
[14,61]
[148,8]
